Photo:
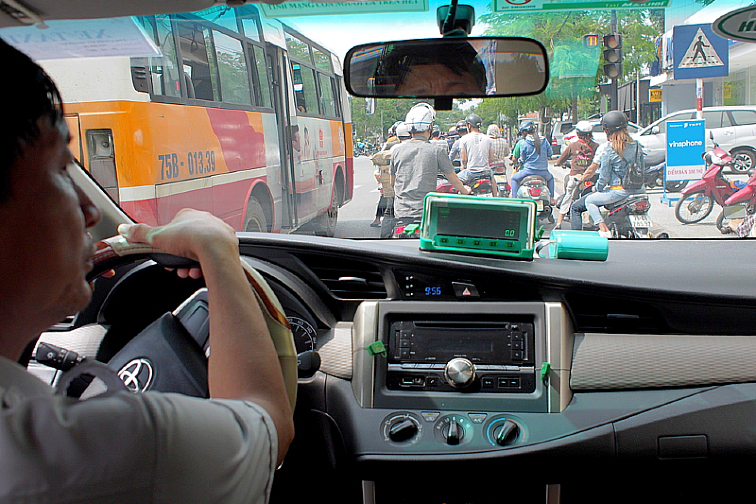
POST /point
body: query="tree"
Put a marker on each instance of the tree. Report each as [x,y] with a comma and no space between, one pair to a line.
[576,70]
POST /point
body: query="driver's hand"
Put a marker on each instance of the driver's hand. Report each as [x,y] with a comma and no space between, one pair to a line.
[192,234]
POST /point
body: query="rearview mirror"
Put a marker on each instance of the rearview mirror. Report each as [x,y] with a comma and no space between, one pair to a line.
[447,68]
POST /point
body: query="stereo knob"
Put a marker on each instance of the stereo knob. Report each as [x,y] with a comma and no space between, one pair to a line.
[459,372]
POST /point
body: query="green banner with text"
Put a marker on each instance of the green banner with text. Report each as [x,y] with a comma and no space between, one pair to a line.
[290,9]
[560,5]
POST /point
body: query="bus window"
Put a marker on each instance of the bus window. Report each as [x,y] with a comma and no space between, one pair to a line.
[234,77]
[251,30]
[305,91]
[221,15]
[198,60]
[322,61]
[297,48]
[260,83]
[165,70]
[327,100]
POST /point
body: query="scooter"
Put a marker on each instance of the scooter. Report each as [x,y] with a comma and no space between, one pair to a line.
[697,200]
[628,218]
[500,177]
[480,186]
[535,187]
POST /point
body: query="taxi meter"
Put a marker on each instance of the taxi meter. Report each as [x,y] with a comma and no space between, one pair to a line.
[471,224]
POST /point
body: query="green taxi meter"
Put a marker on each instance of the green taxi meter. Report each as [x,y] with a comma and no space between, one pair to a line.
[470,224]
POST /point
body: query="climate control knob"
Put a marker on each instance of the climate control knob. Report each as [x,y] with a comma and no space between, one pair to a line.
[459,372]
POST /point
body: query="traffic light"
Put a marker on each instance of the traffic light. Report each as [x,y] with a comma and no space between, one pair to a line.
[613,55]
[591,40]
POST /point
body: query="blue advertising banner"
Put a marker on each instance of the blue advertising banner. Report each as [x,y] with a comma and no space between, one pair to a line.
[699,52]
[685,144]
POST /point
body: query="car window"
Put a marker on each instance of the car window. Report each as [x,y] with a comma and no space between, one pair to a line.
[244,112]
[713,119]
[743,117]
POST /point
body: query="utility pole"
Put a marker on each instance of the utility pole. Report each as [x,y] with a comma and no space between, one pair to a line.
[613,30]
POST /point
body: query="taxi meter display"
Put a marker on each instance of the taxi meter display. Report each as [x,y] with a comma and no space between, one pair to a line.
[471,224]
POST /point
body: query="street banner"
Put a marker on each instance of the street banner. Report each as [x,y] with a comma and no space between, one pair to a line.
[686,141]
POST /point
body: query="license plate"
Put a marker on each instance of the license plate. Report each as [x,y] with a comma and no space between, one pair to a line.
[539,205]
[500,179]
[486,195]
[640,221]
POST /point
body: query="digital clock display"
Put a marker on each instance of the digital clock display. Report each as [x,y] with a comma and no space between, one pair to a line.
[433,291]
[478,223]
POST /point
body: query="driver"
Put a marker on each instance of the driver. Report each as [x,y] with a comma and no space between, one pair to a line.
[153,447]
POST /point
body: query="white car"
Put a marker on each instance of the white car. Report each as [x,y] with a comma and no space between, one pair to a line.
[733,128]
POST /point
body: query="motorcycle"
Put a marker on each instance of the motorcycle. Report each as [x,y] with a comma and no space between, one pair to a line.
[481,186]
[535,187]
[656,165]
[697,200]
[500,177]
[628,218]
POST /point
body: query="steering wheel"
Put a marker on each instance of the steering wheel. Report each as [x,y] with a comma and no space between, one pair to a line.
[165,347]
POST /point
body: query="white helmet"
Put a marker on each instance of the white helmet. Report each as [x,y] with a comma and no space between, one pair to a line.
[420,118]
[402,131]
[584,128]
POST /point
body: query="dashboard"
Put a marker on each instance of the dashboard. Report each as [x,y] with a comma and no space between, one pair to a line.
[451,378]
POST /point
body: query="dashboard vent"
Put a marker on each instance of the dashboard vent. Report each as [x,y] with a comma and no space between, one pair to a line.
[593,314]
[346,278]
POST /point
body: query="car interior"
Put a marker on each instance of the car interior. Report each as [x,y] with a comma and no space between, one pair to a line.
[444,376]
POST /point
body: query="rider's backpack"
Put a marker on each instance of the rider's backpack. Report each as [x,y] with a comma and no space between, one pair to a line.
[584,157]
[633,179]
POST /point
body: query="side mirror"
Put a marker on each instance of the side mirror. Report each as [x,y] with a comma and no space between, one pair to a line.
[655,130]
[447,68]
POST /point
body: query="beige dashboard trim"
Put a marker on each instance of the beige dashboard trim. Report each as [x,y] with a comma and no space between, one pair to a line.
[632,361]
[560,338]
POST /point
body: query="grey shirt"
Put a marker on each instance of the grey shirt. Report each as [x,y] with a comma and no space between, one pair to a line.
[416,164]
[152,447]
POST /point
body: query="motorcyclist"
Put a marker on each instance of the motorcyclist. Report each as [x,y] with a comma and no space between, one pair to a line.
[437,140]
[580,154]
[456,150]
[382,160]
[612,167]
[477,154]
[535,152]
[415,165]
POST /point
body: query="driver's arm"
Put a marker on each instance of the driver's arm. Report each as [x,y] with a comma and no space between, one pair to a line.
[243,363]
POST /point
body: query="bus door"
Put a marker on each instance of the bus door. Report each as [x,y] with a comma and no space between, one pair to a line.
[287,132]
[274,56]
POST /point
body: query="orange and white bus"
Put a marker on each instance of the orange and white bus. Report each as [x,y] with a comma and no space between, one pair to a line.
[241,117]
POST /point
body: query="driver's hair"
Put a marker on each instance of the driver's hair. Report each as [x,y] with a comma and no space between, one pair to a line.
[30,95]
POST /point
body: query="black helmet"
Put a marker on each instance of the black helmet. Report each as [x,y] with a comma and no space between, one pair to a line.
[461,127]
[613,121]
[474,120]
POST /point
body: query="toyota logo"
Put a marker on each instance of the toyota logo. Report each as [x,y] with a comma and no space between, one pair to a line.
[137,375]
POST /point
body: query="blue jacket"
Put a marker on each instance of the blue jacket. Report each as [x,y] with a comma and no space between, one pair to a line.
[532,160]
[612,167]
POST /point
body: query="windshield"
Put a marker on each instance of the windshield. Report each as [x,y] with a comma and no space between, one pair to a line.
[244,112]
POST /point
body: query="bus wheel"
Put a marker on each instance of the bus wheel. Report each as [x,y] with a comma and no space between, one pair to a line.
[327,221]
[254,219]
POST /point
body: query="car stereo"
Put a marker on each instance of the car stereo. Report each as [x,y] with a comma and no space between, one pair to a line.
[452,356]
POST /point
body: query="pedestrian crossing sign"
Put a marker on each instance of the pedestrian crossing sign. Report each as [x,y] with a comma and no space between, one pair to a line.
[699,52]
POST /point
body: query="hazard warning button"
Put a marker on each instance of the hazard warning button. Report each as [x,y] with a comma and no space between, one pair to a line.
[465,290]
